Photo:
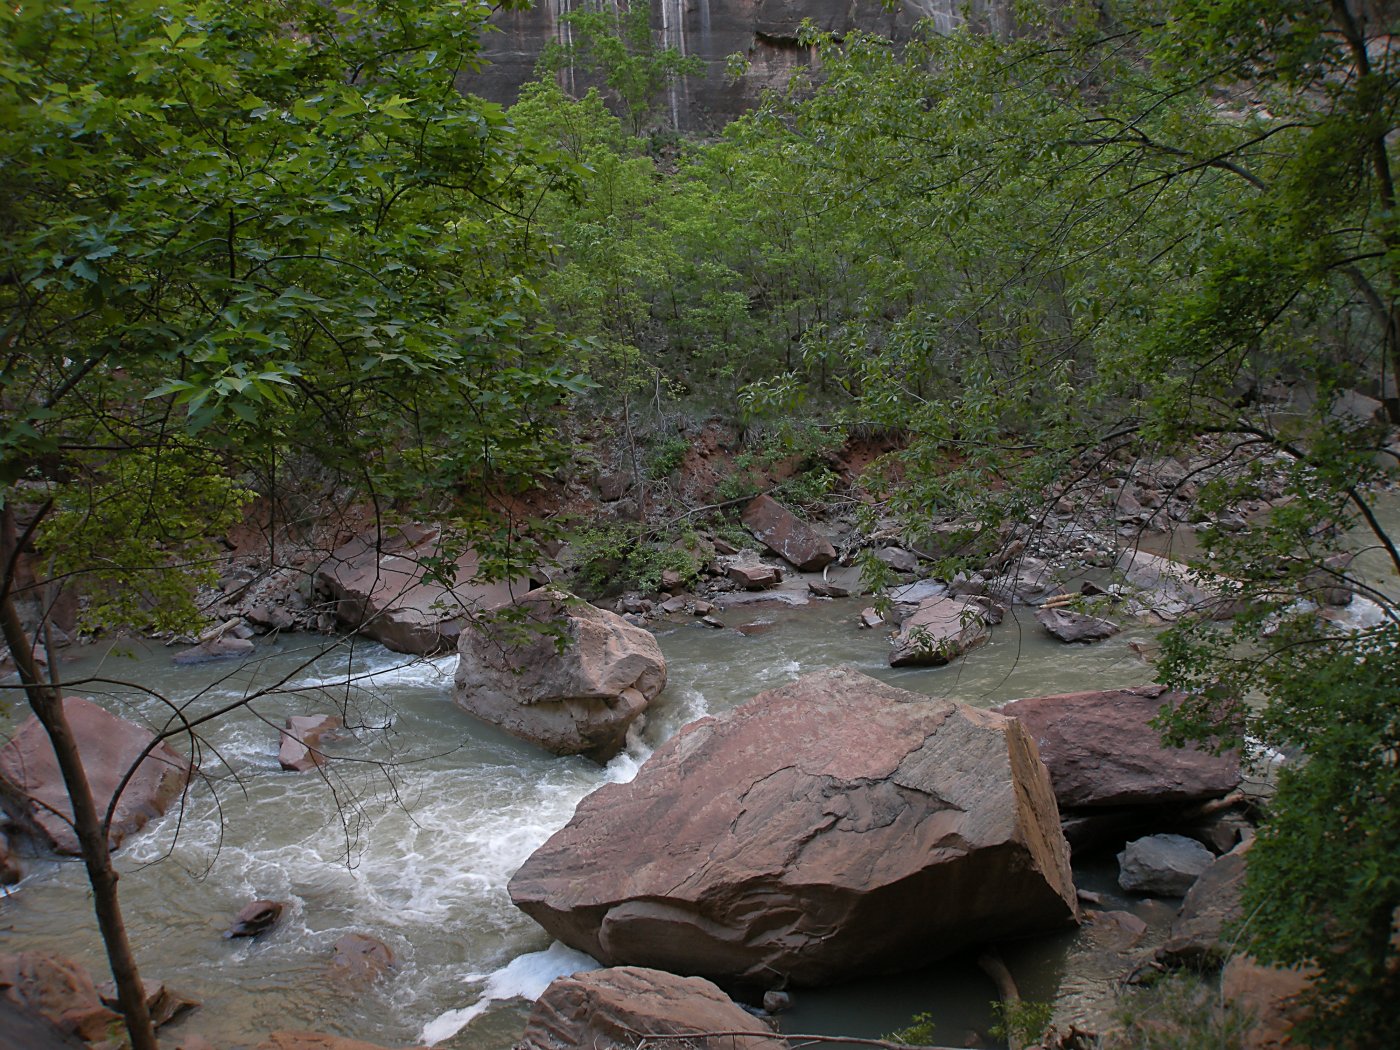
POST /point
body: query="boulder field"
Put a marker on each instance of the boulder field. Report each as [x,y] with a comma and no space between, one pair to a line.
[830,828]
[560,673]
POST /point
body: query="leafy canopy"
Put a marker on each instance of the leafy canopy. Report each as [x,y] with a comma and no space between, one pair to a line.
[240,230]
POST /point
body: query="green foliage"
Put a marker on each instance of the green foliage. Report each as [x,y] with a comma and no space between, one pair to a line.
[614,558]
[1022,1022]
[1033,253]
[272,225]
[666,455]
[141,534]
[919,1031]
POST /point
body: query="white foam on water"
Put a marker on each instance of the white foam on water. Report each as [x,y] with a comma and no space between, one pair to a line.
[381,670]
[524,977]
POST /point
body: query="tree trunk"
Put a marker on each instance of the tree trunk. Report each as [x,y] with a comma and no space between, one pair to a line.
[46,702]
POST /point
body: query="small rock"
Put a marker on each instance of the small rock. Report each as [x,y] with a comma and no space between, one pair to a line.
[898,559]
[713,621]
[755,577]
[870,618]
[256,917]
[1163,865]
[299,747]
[823,589]
[777,1002]
[723,546]
[940,631]
[674,604]
[671,580]
[703,608]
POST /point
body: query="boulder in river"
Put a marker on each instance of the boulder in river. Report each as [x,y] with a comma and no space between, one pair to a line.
[381,585]
[299,747]
[560,673]
[33,787]
[1165,865]
[621,1007]
[1069,626]
[1102,751]
[223,647]
[254,918]
[939,631]
[830,828]
[787,535]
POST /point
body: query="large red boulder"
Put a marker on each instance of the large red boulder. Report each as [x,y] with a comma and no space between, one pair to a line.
[1102,750]
[33,788]
[619,1008]
[382,585]
[560,673]
[787,535]
[827,829]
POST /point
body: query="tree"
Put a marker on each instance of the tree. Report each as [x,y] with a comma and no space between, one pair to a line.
[617,41]
[232,230]
[1109,238]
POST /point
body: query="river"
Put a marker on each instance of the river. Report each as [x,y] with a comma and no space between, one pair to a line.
[412,834]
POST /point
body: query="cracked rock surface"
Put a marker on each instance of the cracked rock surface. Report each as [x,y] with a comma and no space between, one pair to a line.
[830,828]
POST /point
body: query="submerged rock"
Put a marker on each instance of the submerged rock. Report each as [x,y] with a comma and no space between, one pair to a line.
[940,631]
[621,1007]
[827,829]
[33,788]
[560,673]
[360,957]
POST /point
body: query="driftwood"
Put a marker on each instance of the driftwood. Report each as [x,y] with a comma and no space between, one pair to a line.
[992,965]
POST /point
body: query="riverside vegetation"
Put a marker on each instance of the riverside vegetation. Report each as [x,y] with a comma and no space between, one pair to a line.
[240,239]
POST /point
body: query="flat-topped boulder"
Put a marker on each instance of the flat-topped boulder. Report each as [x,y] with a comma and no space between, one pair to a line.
[560,673]
[939,631]
[828,829]
[382,585]
[33,789]
[787,535]
[1102,750]
[620,1007]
